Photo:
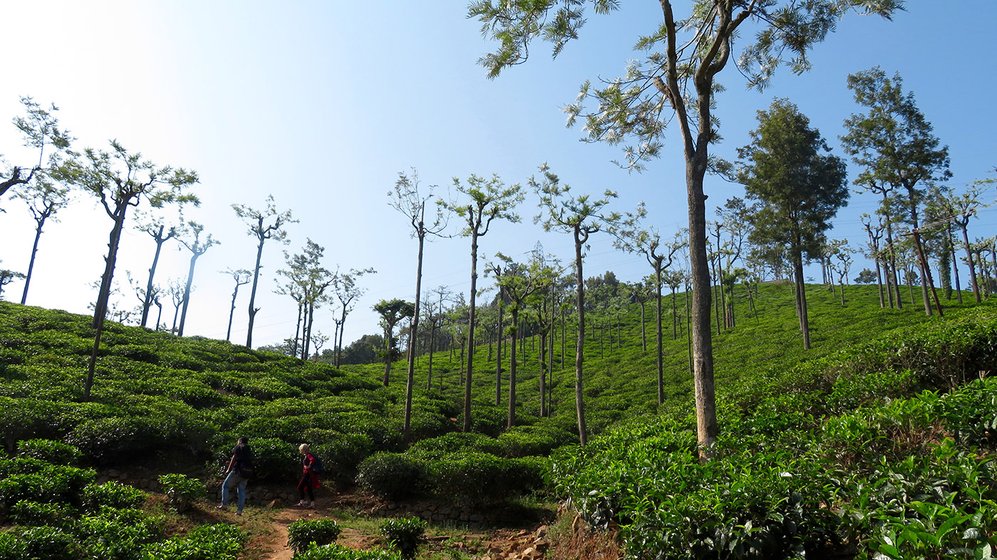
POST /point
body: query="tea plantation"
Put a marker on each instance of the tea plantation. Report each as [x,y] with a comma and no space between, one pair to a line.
[875,444]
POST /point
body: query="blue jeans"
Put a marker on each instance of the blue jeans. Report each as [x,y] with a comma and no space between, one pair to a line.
[233,479]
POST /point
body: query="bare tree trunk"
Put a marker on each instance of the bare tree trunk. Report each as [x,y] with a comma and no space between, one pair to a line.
[147,303]
[580,240]
[413,336]
[31,262]
[470,332]
[252,295]
[511,416]
[659,359]
[104,295]
[186,292]
[498,361]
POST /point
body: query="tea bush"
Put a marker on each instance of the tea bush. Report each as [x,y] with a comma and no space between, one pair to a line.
[339,552]
[181,490]
[49,450]
[205,542]
[49,543]
[304,533]
[476,478]
[394,476]
[111,494]
[404,534]
[32,513]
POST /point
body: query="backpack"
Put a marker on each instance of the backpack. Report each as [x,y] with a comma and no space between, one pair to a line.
[317,467]
[245,467]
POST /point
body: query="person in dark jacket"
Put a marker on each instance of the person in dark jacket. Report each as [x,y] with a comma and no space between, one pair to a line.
[309,480]
[237,473]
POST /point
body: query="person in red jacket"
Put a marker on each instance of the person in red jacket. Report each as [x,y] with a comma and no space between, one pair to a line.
[309,480]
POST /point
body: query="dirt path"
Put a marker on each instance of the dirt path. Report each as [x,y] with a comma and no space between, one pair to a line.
[270,541]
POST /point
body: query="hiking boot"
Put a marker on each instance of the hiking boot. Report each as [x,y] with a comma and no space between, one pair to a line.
[301,503]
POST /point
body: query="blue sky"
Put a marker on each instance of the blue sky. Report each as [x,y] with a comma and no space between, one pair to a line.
[322,104]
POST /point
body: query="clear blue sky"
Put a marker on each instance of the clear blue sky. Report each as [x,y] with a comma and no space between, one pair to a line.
[322,104]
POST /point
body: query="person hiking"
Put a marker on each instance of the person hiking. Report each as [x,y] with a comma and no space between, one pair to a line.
[309,477]
[237,473]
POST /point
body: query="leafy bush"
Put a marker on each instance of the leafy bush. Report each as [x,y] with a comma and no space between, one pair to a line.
[112,494]
[342,454]
[479,478]
[394,476]
[455,442]
[50,451]
[205,542]
[339,552]
[181,490]
[118,534]
[31,513]
[12,547]
[405,534]
[51,484]
[49,543]
[301,534]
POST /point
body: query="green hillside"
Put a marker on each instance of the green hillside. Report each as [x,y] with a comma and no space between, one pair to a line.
[829,451]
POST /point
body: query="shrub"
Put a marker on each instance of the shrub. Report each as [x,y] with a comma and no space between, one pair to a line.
[339,552]
[112,494]
[117,534]
[12,547]
[49,543]
[479,478]
[455,442]
[31,513]
[51,484]
[394,476]
[181,490]
[303,533]
[49,450]
[342,454]
[205,542]
[404,534]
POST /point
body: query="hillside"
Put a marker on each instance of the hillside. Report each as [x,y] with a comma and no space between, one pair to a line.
[178,405]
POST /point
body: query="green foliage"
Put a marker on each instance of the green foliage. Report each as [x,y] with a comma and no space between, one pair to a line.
[118,534]
[49,543]
[111,494]
[205,542]
[32,513]
[405,534]
[394,476]
[12,547]
[49,450]
[476,478]
[339,552]
[307,532]
[181,490]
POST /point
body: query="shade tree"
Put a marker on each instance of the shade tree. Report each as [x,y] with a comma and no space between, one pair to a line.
[156,226]
[40,129]
[121,180]
[632,236]
[263,225]
[798,186]
[580,216]
[482,201]
[392,312]
[44,199]
[895,145]
[407,199]
[197,245]
[240,277]
[347,289]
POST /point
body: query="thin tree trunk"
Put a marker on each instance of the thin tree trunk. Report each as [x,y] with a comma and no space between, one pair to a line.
[580,240]
[31,262]
[186,291]
[252,294]
[498,352]
[513,364]
[413,334]
[100,309]
[659,359]
[470,333]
